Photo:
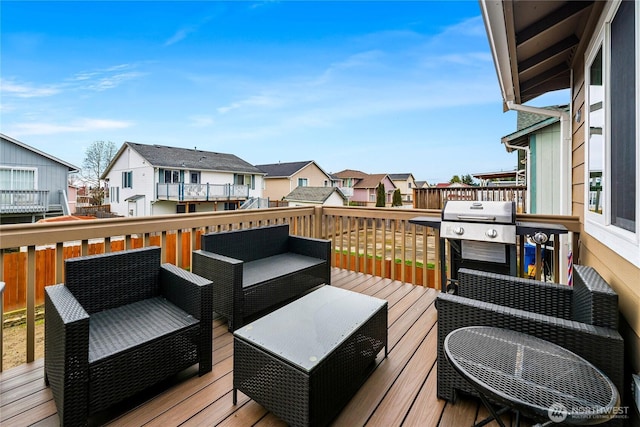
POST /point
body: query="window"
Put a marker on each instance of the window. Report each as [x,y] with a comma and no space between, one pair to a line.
[303,182]
[195,177]
[127,179]
[168,176]
[623,118]
[18,179]
[245,180]
[612,138]
[114,194]
[595,136]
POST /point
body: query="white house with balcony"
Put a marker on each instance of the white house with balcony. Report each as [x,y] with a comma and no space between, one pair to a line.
[157,180]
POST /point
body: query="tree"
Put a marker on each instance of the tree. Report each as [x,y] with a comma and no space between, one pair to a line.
[397,198]
[96,159]
[467,179]
[455,179]
[381,196]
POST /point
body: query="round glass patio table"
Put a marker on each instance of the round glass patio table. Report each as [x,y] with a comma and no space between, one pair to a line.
[529,375]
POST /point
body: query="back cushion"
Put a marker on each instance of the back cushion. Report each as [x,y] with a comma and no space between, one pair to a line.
[250,244]
[104,281]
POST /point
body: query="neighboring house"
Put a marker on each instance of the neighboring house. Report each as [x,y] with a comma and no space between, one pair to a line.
[156,180]
[347,179]
[316,196]
[281,178]
[33,184]
[592,51]
[72,195]
[406,183]
[422,184]
[538,142]
[360,188]
[365,190]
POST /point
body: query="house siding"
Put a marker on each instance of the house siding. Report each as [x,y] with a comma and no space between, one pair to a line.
[51,175]
[623,276]
[143,184]
[145,180]
[546,151]
[277,188]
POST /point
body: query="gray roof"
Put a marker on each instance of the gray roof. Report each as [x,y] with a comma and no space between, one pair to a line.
[186,158]
[282,170]
[312,194]
[529,123]
[399,176]
[69,166]
[527,119]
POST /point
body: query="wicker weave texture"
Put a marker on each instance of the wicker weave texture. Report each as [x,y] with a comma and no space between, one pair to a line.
[125,349]
[224,255]
[603,347]
[524,294]
[311,398]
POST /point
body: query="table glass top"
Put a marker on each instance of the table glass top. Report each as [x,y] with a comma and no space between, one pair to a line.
[531,373]
[305,331]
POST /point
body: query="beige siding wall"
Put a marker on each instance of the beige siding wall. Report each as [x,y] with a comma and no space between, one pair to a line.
[277,188]
[623,277]
[313,174]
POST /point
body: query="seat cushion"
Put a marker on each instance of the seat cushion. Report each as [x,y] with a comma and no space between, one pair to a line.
[122,328]
[264,269]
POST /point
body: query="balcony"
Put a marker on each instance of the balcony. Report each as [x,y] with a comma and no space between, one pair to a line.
[376,252]
[24,201]
[182,192]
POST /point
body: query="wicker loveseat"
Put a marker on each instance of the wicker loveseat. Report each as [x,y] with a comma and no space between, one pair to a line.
[582,318]
[256,269]
[120,323]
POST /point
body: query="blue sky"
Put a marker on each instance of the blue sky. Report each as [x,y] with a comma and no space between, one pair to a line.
[382,87]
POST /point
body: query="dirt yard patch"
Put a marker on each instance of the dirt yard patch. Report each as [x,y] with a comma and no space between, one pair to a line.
[15,345]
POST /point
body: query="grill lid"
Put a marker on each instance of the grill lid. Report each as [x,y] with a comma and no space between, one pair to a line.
[479,212]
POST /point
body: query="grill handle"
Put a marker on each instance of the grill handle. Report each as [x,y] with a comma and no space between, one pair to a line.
[476,218]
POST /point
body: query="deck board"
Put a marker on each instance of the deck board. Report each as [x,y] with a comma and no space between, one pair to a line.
[401,391]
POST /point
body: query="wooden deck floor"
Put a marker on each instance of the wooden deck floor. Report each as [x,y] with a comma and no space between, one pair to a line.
[400,391]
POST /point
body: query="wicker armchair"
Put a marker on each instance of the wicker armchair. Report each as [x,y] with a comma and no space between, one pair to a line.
[582,319]
[121,323]
[254,270]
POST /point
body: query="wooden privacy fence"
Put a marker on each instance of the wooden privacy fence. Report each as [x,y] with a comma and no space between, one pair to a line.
[435,198]
[15,264]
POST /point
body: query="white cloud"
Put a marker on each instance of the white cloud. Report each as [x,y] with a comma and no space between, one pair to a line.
[184,32]
[201,121]
[253,101]
[110,82]
[27,90]
[105,78]
[80,125]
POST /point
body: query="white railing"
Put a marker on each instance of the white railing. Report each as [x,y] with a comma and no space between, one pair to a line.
[24,201]
[201,192]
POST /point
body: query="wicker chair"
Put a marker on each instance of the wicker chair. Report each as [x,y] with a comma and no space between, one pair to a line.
[256,269]
[121,323]
[582,319]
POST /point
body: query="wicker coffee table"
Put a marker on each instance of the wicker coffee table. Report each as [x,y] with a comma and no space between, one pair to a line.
[304,361]
[530,375]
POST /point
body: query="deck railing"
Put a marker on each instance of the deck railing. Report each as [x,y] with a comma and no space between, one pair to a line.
[201,192]
[24,201]
[435,198]
[377,241]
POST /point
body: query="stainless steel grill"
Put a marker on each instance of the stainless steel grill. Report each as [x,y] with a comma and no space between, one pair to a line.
[483,235]
[480,221]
